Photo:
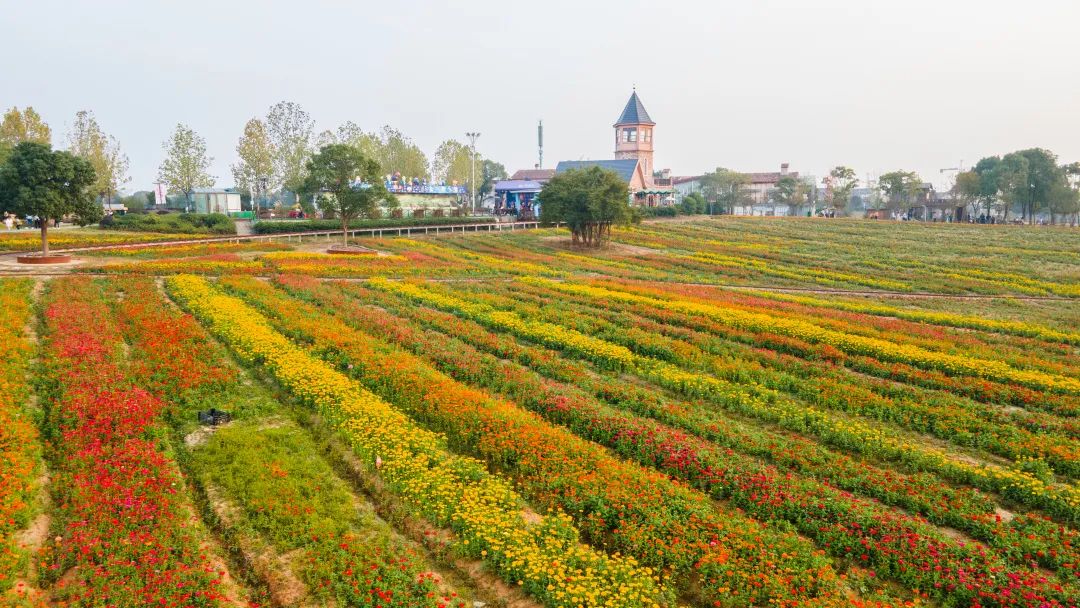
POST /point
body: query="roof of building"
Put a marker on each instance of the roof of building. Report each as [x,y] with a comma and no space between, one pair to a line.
[536,175]
[214,191]
[634,113]
[518,185]
[770,178]
[625,167]
[682,179]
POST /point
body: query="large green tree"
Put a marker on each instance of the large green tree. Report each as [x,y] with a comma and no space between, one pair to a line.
[1030,178]
[87,140]
[255,170]
[35,180]
[348,184]
[489,172]
[899,189]
[590,201]
[842,182]
[453,163]
[18,126]
[725,189]
[289,128]
[186,165]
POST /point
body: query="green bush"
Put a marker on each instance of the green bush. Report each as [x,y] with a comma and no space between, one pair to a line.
[179,223]
[276,227]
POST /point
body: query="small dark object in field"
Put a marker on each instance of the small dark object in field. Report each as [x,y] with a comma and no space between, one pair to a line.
[214,417]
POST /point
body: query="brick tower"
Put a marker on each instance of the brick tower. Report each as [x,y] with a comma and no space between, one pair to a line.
[634,135]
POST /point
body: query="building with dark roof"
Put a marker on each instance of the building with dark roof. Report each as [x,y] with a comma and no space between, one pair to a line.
[534,175]
[633,160]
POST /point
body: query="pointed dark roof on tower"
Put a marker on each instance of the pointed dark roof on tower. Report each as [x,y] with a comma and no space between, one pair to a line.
[634,113]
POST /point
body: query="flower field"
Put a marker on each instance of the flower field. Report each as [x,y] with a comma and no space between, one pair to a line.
[713,413]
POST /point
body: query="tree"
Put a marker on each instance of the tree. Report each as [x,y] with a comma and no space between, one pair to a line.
[186,165]
[785,192]
[725,189]
[899,189]
[35,180]
[289,129]
[489,172]
[967,190]
[255,170]
[842,182]
[1030,177]
[693,204]
[17,127]
[347,183]
[103,152]
[398,154]
[452,163]
[589,200]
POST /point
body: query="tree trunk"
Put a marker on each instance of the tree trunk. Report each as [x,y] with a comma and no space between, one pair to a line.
[344,231]
[44,236]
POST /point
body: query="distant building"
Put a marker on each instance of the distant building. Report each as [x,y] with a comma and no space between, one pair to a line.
[517,197]
[541,176]
[762,183]
[215,200]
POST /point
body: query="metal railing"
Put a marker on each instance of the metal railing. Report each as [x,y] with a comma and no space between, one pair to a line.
[325,234]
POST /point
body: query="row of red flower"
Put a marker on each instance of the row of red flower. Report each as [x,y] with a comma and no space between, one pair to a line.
[125,535]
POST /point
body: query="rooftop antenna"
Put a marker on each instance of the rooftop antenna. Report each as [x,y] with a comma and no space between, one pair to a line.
[540,141]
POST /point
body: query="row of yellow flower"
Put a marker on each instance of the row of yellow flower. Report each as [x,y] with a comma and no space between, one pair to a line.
[19,445]
[828,277]
[489,262]
[1015,328]
[24,240]
[763,403]
[541,554]
[861,345]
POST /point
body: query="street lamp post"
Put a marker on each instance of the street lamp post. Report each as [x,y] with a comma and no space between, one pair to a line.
[472,144]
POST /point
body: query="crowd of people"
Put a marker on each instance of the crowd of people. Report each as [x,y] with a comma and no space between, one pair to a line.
[14,222]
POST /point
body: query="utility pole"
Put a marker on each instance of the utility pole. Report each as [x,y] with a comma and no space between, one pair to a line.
[472,144]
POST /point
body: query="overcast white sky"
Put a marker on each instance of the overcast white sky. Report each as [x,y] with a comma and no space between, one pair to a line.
[877,85]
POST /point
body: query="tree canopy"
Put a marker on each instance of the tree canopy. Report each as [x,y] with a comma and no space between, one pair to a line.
[186,165]
[347,183]
[35,180]
[289,128]
[255,169]
[589,201]
[899,188]
[103,152]
[842,182]
[726,188]
[19,126]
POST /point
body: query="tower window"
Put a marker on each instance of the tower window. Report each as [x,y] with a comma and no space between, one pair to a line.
[630,135]
[646,135]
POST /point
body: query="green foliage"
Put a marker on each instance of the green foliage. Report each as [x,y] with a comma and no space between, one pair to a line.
[489,172]
[288,127]
[693,204]
[186,165]
[842,182]
[453,163]
[348,184]
[899,188]
[173,223]
[103,153]
[35,180]
[725,188]
[256,166]
[589,201]
[19,126]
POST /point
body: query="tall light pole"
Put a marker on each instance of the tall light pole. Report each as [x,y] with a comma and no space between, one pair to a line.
[472,144]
